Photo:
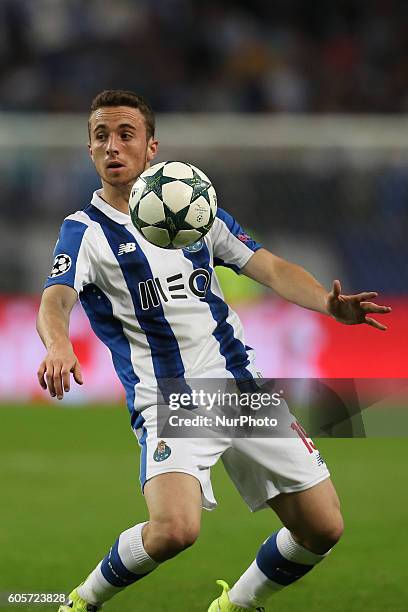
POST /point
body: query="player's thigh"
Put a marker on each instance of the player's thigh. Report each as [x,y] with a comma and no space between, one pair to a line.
[174,503]
[174,497]
[314,512]
[263,468]
[176,455]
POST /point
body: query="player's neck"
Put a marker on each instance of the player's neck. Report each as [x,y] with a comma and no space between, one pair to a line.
[117,198]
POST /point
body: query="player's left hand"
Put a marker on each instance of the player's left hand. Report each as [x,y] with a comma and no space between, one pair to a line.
[353,309]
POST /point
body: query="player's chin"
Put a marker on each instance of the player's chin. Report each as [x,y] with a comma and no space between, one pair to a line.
[125,177]
[119,180]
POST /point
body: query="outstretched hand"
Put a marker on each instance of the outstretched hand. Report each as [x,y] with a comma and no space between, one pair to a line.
[353,309]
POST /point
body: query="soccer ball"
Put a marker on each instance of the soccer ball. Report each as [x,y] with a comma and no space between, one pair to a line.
[173,204]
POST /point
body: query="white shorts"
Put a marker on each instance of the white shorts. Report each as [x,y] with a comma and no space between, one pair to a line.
[260,468]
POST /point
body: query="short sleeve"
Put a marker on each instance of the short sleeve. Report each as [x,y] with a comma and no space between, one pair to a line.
[231,244]
[74,256]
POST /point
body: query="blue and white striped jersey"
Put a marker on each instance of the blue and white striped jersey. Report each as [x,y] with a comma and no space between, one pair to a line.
[160,312]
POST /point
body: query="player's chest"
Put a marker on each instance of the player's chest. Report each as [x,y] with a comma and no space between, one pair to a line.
[158,276]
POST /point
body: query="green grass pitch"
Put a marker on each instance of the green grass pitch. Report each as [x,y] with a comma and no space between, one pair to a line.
[69,486]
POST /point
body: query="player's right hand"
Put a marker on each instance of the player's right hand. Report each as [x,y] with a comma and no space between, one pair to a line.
[55,370]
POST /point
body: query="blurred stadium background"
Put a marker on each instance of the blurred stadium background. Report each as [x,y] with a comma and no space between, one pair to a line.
[297,111]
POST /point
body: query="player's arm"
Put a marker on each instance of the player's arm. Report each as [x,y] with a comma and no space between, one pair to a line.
[53,327]
[290,281]
[295,284]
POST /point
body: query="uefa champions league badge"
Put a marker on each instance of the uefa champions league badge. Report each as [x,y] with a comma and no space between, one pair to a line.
[62,264]
[162,452]
[194,248]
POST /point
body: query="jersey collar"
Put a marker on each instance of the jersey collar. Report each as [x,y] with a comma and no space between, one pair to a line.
[108,210]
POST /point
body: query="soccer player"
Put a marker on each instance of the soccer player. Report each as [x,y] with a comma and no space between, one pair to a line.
[102,258]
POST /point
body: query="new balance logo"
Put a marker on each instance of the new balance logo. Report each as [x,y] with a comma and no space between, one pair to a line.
[127,247]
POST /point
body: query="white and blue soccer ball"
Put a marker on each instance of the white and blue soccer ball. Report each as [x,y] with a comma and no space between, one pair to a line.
[173,204]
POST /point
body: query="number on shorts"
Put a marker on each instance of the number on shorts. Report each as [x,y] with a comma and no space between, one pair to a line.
[303,436]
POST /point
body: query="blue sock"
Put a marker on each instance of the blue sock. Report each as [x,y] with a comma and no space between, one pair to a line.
[280,561]
[126,563]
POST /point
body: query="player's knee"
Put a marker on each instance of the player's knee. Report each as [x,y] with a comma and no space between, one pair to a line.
[176,536]
[323,535]
[327,534]
[332,533]
[183,537]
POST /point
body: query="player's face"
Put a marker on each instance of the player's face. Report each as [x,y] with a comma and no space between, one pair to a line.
[119,146]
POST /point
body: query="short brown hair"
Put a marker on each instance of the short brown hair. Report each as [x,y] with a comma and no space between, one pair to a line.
[122,97]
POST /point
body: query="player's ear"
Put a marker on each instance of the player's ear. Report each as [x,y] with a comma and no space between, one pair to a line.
[152,147]
[90,151]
